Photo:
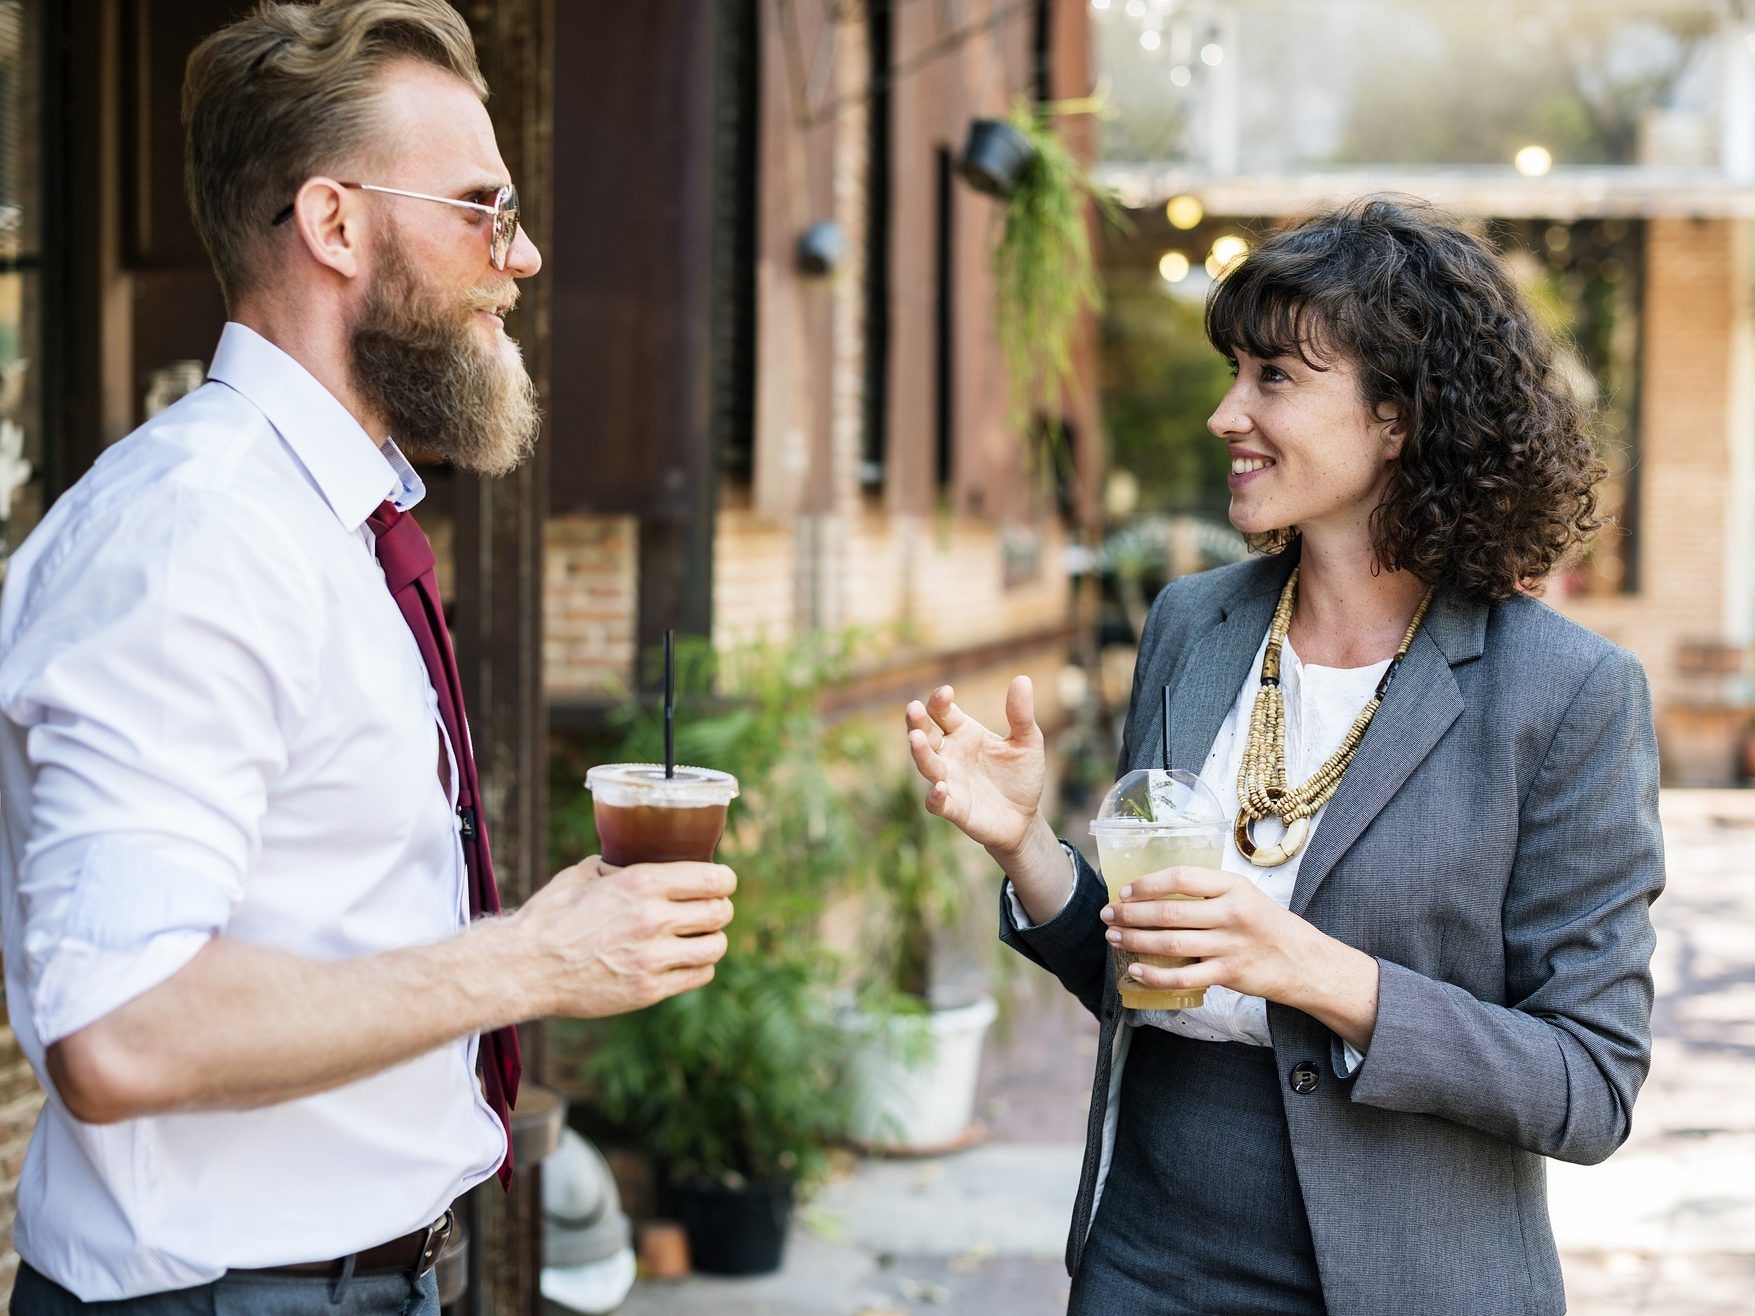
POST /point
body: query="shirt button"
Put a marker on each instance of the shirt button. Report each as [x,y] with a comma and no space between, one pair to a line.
[1304,1078]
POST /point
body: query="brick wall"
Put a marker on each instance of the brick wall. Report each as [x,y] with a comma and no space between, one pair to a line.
[1694,336]
[755,570]
[590,602]
[947,582]
[590,598]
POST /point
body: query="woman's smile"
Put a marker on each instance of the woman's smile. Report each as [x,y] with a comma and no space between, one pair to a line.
[1246,467]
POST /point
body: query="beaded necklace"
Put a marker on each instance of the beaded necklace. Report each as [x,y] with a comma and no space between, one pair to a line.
[1261,781]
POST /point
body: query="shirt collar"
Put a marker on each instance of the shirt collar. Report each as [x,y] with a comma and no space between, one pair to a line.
[411,487]
[352,471]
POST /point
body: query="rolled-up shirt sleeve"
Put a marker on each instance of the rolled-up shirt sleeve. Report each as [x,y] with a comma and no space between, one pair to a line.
[155,671]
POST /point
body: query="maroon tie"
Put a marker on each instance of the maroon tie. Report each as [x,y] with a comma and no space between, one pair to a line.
[407,560]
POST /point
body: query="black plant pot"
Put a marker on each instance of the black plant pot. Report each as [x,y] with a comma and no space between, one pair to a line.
[996,157]
[735,1231]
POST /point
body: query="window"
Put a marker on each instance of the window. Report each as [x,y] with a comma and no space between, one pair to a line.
[944,319]
[873,444]
[1275,86]
[738,121]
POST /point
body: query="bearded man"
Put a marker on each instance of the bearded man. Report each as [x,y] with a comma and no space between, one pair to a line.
[252,945]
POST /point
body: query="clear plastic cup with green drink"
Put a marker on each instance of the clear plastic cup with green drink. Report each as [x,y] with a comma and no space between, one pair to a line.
[1153,819]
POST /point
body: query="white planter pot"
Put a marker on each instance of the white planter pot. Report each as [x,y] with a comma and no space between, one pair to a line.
[927,1105]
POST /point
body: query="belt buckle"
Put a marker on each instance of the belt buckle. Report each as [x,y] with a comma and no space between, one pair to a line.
[438,1234]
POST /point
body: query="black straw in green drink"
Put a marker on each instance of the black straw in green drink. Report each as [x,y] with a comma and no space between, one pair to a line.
[669,703]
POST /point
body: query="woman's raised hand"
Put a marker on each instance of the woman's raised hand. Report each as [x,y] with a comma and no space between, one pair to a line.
[989,785]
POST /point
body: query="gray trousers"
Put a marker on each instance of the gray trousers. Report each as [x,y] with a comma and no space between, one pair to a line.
[1202,1213]
[241,1293]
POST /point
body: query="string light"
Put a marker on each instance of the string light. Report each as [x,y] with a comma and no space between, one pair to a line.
[1099,4]
[1212,54]
[1181,76]
[1227,251]
[1533,161]
[1184,212]
[1150,40]
[1173,267]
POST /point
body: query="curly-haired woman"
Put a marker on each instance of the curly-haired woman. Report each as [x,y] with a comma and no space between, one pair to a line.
[1426,950]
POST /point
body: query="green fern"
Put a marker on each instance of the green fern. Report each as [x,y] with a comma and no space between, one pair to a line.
[1045,274]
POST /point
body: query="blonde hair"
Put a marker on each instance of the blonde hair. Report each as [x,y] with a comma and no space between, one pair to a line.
[289,92]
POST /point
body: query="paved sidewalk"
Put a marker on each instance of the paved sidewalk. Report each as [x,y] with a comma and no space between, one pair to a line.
[1665,1227]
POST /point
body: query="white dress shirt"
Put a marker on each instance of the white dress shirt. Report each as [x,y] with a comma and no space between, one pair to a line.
[218,723]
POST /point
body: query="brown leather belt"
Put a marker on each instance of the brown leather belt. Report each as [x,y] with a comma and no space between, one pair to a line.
[412,1254]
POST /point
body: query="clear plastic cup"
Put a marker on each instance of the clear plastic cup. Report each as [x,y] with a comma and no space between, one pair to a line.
[644,817]
[1151,820]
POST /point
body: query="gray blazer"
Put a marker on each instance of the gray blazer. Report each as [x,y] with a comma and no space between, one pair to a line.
[1495,845]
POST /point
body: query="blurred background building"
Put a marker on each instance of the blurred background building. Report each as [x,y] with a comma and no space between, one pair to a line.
[1608,148]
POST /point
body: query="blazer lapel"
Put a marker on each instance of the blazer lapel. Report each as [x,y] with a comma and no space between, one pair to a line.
[1422,703]
[1194,706]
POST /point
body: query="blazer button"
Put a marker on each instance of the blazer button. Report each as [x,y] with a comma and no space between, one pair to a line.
[1304,1078]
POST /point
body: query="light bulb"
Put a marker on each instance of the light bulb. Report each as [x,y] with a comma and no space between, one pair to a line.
[1533,161]
[1184,212]
[1229,249]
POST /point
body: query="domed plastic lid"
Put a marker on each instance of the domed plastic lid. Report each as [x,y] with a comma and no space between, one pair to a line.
[630,785]
[1160,802]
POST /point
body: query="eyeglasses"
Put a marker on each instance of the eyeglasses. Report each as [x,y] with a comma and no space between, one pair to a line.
[504,212]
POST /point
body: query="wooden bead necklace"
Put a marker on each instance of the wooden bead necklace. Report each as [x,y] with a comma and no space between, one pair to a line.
[1261,781]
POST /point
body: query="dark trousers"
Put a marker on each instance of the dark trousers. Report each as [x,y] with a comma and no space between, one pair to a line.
[1202,1214]
[241,1293]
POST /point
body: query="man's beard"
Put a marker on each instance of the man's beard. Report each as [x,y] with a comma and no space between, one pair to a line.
[415,361]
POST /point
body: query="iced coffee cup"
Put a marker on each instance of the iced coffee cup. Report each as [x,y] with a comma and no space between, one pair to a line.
[645,817]
[1152,820]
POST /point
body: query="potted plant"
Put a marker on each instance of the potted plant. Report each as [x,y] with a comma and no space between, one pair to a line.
[737,1090]
[995,157]
[734,1090]
[917,1041]
[1045,274]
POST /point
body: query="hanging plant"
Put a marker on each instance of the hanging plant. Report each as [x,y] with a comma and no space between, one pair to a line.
[1045,274]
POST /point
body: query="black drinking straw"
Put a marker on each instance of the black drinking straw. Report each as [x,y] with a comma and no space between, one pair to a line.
[669,703]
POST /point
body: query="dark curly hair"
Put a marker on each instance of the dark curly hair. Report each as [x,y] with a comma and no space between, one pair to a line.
[1496,480]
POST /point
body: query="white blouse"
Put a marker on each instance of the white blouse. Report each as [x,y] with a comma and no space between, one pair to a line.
[1321,704]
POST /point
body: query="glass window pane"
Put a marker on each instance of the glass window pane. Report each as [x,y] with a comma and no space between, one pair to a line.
[1367,82]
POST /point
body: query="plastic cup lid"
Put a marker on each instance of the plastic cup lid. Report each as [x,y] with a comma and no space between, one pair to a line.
[1153,827]
[631,784]
[1156,802]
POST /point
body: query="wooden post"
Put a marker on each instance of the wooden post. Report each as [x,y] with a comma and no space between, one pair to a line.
[499,553]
